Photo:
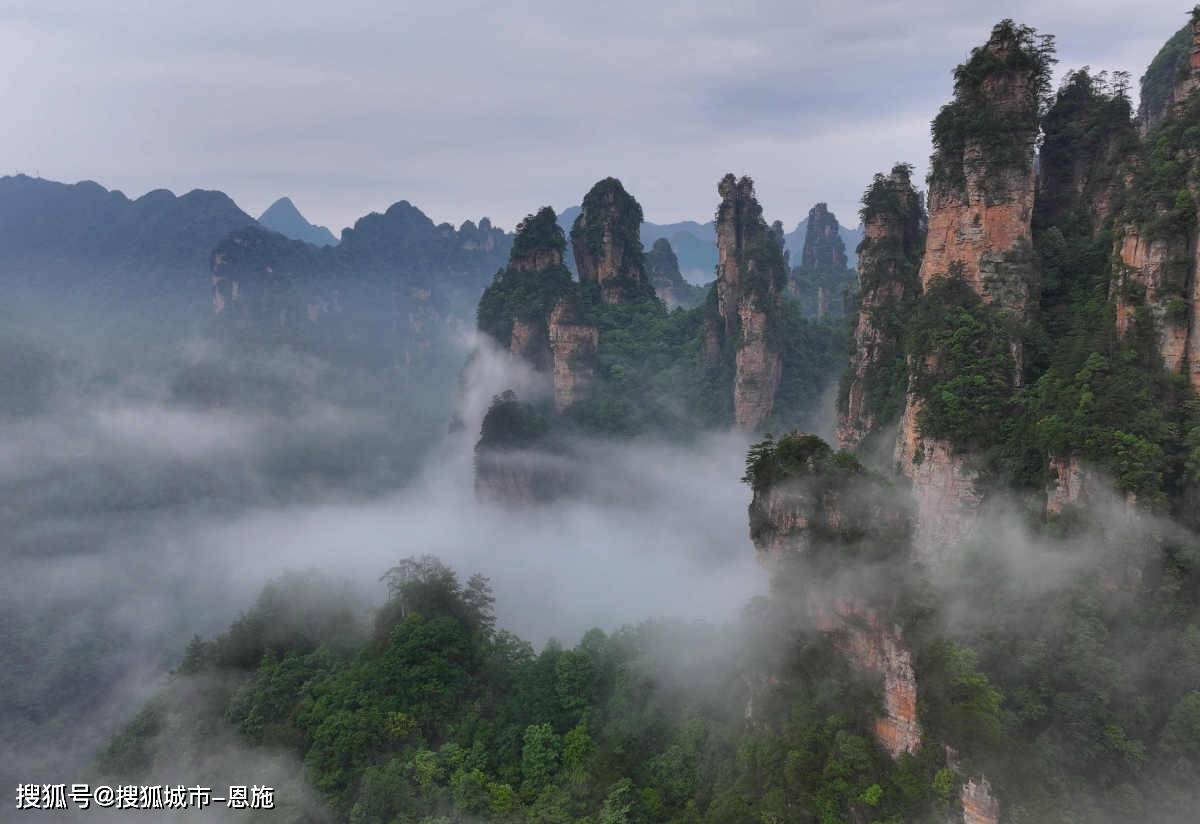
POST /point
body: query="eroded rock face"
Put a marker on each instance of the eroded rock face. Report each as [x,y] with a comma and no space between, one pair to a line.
[751,275]
[981,199]
[607,243]
[758,366]
[877,646]
[983,233]
[823,245]
[537,260]
[1155,273]
[944,488]
[888,259]
[520,477]
[978,803]
[1070,484]
[662,270]
[515,310]
[530,341]
[981,203]
[573,344]
[799,515]
[811,505]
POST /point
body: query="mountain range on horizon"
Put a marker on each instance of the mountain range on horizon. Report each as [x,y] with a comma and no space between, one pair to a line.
[282,216]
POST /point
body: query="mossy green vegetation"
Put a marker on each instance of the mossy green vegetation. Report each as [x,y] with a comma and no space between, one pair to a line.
[1083,390]
[1158,83]
[522,292]
[889,284]
[999,94]
[511,424]
[650,375]
[439,716]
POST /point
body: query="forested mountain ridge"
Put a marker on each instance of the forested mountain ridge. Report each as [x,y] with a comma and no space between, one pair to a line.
[392,290]
[81,242]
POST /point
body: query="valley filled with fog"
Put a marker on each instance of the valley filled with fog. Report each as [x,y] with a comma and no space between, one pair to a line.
[146,505]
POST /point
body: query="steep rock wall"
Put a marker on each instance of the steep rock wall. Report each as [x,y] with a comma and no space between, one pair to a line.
[823,245]
[520,477]
[944,488]
[573,343]
[877,646]
[810,504]
[978,803]
[751,274]
[981,201]
[606,241]
[888,259]
[1156,273]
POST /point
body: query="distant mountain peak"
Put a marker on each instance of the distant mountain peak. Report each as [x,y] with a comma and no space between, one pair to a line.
[282,216]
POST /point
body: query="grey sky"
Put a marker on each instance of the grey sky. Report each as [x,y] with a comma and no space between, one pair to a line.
[486,108]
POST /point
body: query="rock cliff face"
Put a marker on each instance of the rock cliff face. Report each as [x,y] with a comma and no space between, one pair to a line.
[1157,257]
[888,259]
[751,275]
[606,240]
[979,806]
[823,245]
[1071,484]
[1157,273]
[516,462]
[532,308]
[877,646]
[662,270]
[822,280]
[813,507]
[573,343]
[520,478]
[981,200]
[808,498]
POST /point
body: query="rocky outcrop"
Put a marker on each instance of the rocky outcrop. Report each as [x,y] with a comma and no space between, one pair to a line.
[812,509]
[945,488]
[981,200]
[822,281]
[751,275]
[515,310]
[1087,141]
[874,645]
[530,342]
[516,460]
[573,343]
[1156,273]
[606,241]
[662,270]
[872,394]
[1157,256]
[808,499]
[823,245]
[978,803]
[520,477]
[1071,485]
[534,310]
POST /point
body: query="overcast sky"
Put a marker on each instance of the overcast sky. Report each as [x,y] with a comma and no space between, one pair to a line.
[495,108]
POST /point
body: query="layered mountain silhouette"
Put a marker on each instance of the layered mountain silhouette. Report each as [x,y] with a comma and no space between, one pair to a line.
[282,216]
